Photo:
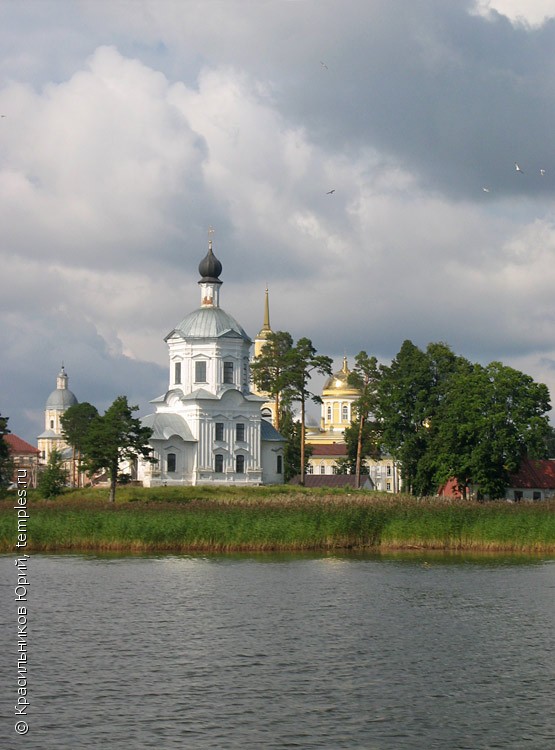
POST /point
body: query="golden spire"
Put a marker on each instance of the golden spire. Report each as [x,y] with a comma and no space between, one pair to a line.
[266,325]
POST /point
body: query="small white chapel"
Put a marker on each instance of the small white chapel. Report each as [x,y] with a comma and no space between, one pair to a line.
[208,427]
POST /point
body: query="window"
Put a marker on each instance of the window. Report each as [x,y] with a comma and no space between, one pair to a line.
[345,412]
[170,462]
[536,495]
[218,463]
[51,424]
[322,469]
[329,413]
[228,372]
[177,373]
[219,430]
[200,372]
[310,469]
[266,414]
[388,470]
[240,432]
[388,486]
[239,464]
[517,496]
[279,468]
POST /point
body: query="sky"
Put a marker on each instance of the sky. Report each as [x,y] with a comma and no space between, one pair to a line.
[130,127]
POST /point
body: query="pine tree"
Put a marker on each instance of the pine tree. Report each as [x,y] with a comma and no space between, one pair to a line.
[114,437]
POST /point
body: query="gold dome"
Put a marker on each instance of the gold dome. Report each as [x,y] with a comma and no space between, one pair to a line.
[337,384]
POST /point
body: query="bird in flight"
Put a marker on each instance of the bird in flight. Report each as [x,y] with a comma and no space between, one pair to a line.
[485,189]
[542,172]
[518,169]
[330,192]
[324,66]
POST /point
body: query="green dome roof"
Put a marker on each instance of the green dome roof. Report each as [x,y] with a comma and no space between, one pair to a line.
[210,323]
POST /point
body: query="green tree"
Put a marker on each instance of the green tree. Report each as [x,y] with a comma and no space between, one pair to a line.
[6,463]
[269,372]
[410,392]
[53,479]
[369,446]
[291,431]
[114,437]
[76,421]
[302,362]
[365,377]
[489,420]
[403,409]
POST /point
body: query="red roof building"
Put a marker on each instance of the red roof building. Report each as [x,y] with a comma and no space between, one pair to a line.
[25,458]
[535,480]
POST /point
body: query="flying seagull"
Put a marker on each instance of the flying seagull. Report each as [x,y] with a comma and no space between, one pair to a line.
[518,169]
[485,189]
[330,192]
[542,172]
[324,66]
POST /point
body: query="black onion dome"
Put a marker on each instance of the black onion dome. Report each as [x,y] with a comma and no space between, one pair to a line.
[210,268]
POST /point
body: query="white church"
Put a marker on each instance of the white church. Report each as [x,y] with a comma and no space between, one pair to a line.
[208,427]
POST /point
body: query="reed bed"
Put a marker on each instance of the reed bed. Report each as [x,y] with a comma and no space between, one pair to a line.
[275,519]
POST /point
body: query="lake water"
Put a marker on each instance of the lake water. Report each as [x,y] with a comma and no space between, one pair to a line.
[282,651]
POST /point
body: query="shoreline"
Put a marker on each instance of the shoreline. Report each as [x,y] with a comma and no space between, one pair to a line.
[202,521]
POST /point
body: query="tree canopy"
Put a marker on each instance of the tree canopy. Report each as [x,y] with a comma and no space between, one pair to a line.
[365,377]
[75,422]
[270,373]
[114,437]
[445,417]
[490,419]
[303,361]
[283,371]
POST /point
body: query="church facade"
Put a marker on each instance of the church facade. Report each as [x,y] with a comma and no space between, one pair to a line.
[207,428]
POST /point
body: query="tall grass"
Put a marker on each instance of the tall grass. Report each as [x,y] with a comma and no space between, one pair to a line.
[208,519]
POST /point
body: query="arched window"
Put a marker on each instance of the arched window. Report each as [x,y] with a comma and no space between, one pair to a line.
[171,462]
[279,468]
[239,464]
[218,463]
[177,373]
[345,412]
[329,413]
